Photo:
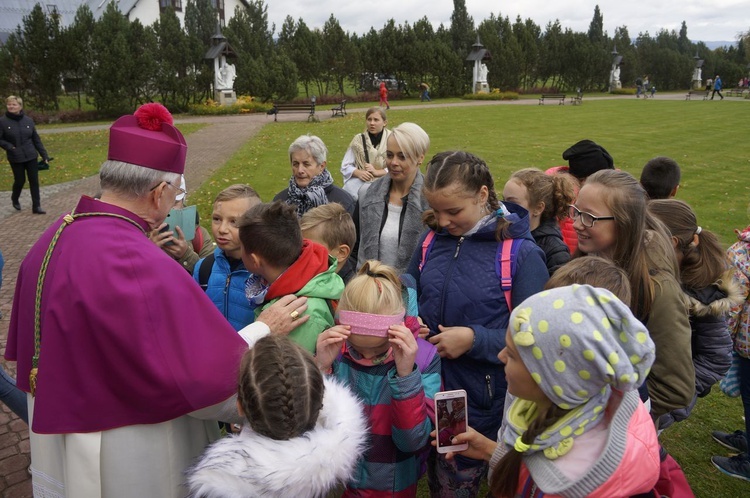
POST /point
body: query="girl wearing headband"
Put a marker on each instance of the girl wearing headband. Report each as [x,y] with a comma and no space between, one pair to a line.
[574,424]
[395,374]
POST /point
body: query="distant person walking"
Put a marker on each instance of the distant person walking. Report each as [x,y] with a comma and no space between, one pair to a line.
[384,96]
[717,88]
[22,144]
[425,92]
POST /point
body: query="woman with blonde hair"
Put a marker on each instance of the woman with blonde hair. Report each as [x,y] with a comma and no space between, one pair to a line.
[23,146]
[389,211]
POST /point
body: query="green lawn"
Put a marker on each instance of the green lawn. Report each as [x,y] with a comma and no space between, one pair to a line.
[77,154]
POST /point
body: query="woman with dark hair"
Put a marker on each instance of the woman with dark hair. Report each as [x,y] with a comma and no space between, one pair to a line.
[22,144]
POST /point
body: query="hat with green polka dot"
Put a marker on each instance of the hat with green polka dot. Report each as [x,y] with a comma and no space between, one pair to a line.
[575,340]
[578,343]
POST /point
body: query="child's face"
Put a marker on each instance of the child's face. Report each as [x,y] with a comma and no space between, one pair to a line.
[457,213]
[375,123]
[369,346]
[224,224]
[305,168]
[520,382]
[515,192]
[598,240]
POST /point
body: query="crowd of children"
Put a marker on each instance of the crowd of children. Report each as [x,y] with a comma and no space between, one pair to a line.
[581,311]
[631,332]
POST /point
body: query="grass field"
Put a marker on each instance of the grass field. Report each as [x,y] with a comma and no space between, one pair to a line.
[707,139]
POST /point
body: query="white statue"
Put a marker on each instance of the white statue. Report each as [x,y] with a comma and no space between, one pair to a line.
[697,74]
[226,76]
[483,71]
[615,79]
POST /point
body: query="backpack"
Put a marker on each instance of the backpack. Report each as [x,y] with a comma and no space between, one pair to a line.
[204,272]
[505,262]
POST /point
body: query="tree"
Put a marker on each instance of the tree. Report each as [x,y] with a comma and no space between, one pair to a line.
[110,48]
[462,29]
[339,55]
[77,58]
[596,28]
[201,22]
[175,74]
[36,48]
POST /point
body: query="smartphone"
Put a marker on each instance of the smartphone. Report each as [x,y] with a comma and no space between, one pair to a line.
[451,417]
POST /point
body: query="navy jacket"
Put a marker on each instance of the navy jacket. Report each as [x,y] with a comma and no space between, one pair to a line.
[19,138]
[458,286]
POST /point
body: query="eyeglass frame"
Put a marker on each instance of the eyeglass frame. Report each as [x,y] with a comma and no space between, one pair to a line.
[579,213]
[182,190]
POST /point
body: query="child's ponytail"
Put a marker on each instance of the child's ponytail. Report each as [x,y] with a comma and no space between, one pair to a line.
[703,260]
[504,479]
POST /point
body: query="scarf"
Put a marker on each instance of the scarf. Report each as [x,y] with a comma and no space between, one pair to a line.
[311,196]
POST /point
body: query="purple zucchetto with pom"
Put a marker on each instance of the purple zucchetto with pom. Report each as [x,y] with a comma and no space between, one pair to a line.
[147,138]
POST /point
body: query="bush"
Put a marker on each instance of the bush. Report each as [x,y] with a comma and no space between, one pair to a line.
[244,105]
[494,95]
[68,116]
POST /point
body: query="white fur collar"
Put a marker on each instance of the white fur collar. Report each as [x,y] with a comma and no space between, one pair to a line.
[249,464]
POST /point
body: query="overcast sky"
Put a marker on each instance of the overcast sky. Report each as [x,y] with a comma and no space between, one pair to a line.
[707,20]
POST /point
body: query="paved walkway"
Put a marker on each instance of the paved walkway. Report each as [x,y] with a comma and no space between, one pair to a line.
[208,149]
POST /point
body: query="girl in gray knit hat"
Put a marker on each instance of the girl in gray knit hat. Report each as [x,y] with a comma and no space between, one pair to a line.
[574,425]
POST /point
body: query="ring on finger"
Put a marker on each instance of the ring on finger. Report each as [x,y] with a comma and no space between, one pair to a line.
[294,314]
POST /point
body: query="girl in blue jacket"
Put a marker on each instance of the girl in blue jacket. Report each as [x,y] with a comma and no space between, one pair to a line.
[460,278]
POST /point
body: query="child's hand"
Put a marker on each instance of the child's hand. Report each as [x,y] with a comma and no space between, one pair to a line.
[329,344]
[404,348]
[480,447]
[452,342]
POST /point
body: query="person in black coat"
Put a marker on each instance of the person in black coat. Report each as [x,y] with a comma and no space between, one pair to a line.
[22,145]
[547,198]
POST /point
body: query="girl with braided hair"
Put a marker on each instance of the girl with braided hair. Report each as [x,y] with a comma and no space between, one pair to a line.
[574,424]
[466,294]
[291,410]
[375,351]
[546,198]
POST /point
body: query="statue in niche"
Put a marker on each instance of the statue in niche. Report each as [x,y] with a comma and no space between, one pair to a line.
[226,76]
[483,72]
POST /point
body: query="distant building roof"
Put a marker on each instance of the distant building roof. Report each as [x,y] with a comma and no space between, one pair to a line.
[12,13]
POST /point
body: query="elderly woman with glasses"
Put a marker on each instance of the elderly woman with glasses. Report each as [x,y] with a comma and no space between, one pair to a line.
[311,184]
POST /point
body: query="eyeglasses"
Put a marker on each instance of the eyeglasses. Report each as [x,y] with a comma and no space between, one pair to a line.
[587,219]
[182,190]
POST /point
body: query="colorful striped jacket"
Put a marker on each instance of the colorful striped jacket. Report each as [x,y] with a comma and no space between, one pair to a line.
[401,415]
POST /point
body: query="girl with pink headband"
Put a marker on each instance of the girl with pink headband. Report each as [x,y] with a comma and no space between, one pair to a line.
[396,375]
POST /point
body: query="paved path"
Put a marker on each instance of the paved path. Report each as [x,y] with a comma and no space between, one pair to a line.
[208,149]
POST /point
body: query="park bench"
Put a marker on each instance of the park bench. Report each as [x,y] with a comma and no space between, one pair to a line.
[560,97]
[339,110]
[577,99]
[280,107]
[697,93]
[735,92]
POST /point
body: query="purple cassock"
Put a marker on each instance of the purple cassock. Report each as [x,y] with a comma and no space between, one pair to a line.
[128,337]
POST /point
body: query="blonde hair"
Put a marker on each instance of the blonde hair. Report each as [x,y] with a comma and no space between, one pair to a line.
[412,140]
[376,289]
[335,223]
[12,98]
[594,271]
[236,191]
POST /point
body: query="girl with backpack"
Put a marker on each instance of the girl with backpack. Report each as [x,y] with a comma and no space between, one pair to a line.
[475,264]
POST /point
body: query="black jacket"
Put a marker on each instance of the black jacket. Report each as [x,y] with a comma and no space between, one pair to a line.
[19,138]
[549,237]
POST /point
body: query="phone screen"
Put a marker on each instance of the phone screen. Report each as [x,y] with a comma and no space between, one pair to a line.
[450,414]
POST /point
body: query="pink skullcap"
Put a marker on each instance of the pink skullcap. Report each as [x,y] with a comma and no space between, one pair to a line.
[369,323]
[147,138]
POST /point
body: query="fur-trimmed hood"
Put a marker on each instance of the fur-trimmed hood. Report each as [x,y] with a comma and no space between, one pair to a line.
[249,464]
[717,299]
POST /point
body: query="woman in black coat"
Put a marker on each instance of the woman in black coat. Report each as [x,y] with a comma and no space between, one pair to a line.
[22,145]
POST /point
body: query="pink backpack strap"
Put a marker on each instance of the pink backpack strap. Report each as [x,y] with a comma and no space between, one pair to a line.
[504,267]
[426,246]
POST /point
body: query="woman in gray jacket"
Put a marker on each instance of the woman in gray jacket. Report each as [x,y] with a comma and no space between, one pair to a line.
[22,145]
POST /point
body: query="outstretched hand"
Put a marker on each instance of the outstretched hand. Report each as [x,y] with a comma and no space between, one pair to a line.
[480,447]
[285,315]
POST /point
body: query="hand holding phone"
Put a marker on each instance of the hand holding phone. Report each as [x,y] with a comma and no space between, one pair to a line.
[451,418]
